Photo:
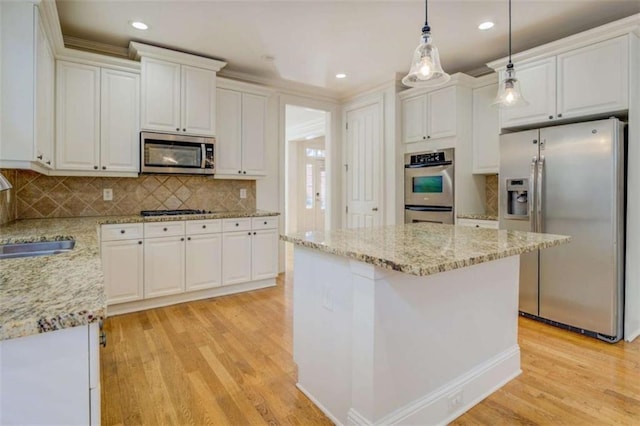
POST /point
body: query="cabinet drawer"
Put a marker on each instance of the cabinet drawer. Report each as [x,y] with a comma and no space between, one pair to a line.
[163,229]
[477,223]
[211,226]
[238,224]
[124,231]
[270,222]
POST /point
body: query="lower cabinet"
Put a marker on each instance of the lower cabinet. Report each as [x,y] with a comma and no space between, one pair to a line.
[164,266]
[479,223]
[122,263]
[264,254]
[236,258]
[203,262]
[51,378]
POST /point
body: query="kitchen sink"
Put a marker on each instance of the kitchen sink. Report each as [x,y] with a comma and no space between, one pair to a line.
[42,248]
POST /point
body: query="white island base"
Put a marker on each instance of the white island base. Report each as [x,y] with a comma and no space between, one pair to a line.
[376,346]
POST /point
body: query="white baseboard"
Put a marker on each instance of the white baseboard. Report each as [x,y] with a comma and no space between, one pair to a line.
[157,302]
[474,386]
[631,336]
[319,405]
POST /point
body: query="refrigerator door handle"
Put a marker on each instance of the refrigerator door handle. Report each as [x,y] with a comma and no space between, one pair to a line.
[532,186]
[539,194]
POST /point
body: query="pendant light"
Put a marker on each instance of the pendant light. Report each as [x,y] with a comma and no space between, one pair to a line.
[426,70]
[509,94]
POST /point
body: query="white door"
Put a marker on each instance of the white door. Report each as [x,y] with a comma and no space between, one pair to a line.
[203,261]
[312,186]
[228,149]
[163,266]
[414,119]
[160,95]
[45,101]
[364,174]
[254,120]
[78,117]
[119,121]
[441,113]
[198,101]
[264,254]
[122,264]
[236,257]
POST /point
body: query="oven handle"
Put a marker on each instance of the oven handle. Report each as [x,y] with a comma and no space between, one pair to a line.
[422,166]
[429,208]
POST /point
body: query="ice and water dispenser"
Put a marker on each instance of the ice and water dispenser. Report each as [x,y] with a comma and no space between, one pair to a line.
[517,198]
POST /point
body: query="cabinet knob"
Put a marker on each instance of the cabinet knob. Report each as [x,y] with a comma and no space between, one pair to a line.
[237,224]
[424,137]
[248,233]
[204,226]
[95,167]
[188,238]
[104,167]
[178,129]
[428,137]
[39,157]
[477,226]
[265,222]
[254,233]
[182,239]
[122,231]
[184,130]
[240,171]
[49,162]
[245,172]
[551,117]
[164,229]
[559,115]
[139,242]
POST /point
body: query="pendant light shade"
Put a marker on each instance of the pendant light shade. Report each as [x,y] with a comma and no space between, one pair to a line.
[426,70]
[509,94]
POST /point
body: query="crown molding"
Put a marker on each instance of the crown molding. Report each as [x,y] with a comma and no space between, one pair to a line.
[140,50]
[95,47]
[457,79]
[225,83]
[51,23]
[91,58]
[630,24]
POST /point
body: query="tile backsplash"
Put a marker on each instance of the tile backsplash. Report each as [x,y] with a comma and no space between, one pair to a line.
[491,186]
[40,196]
[8,198]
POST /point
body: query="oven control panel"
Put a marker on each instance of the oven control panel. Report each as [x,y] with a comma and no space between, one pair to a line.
[430,158]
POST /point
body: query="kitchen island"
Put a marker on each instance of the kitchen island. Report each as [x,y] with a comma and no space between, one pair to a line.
[410,324]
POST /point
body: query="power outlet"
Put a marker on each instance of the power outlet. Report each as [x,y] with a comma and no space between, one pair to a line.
[243,193]
[107,194]
[455,400]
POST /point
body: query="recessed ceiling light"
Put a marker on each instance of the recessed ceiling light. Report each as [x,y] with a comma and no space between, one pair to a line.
[486,25]
[139,25]
[341,75]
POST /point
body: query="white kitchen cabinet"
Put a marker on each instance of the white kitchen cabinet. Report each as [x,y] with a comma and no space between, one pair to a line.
[78,116]
[236,257]
[240,143]
[178,98]
[164,266]
[429,116]
[264,254]
[588,81]
[122,264]
[119,121]
[203,261]
[49,378]
[478,223]
[28,83]
[97,119]
[486,130]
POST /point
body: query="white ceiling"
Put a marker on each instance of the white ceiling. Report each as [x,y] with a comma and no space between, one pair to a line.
[311,41]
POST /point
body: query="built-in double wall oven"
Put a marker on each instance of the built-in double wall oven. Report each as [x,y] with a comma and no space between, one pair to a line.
[428,187]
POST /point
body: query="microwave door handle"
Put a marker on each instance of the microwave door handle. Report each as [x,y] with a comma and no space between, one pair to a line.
[203,159]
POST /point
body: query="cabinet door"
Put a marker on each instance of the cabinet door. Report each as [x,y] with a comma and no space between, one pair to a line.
[264,254]
[122,263]
[414,119]
[441,113]
[254,121]
[203,261]
[78,117]
[198,101]
[119,121]
[486,130]
[163,266]
[228,149]
[45,87]
[594,79]
[538,83]
[236,257]
[160,95]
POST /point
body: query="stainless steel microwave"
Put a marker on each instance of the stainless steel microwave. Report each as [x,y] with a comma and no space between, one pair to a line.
[168,153]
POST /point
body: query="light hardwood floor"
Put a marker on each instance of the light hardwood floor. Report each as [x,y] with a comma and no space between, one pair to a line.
[228,361]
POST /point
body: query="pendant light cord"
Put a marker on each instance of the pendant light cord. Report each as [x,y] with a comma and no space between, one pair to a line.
[510,36]
[426,28]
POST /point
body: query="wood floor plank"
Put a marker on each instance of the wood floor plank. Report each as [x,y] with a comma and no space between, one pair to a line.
[228,361]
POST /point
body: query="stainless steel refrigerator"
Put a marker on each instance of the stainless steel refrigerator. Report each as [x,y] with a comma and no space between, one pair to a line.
[569,180]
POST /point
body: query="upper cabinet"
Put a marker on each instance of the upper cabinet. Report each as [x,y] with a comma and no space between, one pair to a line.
[97,119]
[486,130]
[241,136]
[582,82]
[27,97]
[429,115]
[178,90]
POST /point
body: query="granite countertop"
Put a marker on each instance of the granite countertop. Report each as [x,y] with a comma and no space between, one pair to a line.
[423,248]
[47,293]
[477,216]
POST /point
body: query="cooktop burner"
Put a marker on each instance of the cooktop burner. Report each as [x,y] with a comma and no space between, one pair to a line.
[171,212]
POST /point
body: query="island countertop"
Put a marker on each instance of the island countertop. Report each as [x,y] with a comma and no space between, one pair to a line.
[423,248]
[48,293]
